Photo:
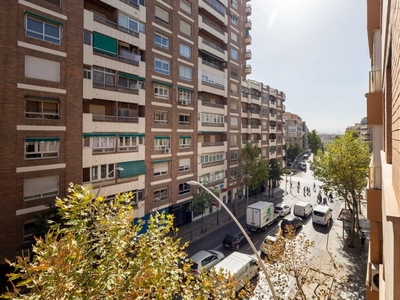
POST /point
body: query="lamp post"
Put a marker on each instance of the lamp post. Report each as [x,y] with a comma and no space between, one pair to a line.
[101,185]
[286,168]
[260,261]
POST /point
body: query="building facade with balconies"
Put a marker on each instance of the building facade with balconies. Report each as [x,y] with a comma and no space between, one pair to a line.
[293,129]
[383,115]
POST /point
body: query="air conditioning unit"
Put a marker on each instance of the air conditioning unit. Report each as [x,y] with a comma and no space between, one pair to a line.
[184,102]
[167,150]
[374,277]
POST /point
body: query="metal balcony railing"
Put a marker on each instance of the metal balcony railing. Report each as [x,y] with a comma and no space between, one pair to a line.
[213,26]
[212,45]
[375,81]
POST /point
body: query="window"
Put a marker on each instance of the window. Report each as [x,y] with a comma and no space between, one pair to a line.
[184,142]
[160,195]
[234,54]
[161,41]
[87,37]
[41,147]
[185,50]
[42,108]
[37,188]
[186,6]
[160,143]
[212,118]
[233,174]
[130,143]
[161,91]
[212,177]
[160,169]
[185,73]
[185,28]
[128,83]
[30,230]
[184,164]
[103,76]
[87,72]
[130,25]
[38,29]
[234,20]
[40,68]
[233,89]
[234,72]
[97,173]
[264,125]
[211,158]
[264,137]
[162,15]
[161,66]
[103,144]
[234,156]
[184,119]
[185,96]
[234,122]
[234,4]
[234,36]
[234,105]
[160,116]
[184,188]
[233,138]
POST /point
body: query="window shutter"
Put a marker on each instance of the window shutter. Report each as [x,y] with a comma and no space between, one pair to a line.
[185,28]
[162,14]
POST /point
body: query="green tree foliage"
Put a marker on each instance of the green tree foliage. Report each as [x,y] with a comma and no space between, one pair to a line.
[253,169]
[314,141]
[343,167]
[202,201]
[275,172]
[293,150]
[99,254]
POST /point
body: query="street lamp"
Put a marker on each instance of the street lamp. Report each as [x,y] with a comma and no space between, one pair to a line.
[260,261]
[101,185]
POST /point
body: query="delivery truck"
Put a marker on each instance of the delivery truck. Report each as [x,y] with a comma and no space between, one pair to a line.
[259,215]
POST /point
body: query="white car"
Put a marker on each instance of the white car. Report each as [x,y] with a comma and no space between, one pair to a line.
[282,209]
[204,260]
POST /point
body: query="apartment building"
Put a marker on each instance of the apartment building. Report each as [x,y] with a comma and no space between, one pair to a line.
[383,115]
[126,95]
[293,129]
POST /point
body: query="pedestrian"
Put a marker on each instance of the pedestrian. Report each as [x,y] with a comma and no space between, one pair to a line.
[290,185]
[362,239]
[325,201]
[331,196]
[315,187]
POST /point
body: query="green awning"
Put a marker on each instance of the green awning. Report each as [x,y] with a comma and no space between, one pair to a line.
[163,83]
[162,137]
[43,139]
[132,168]
[131,76]
[43,18]
[161,161]
[212,55]
[186,89]
[104,44]
[185,137]
[131,134]
[85,135]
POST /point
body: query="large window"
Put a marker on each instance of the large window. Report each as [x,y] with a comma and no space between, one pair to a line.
[40,68]
[100,172]
[161,66]
[42,108]
[46,31]
[41,147]
[37,188]
[184,188]
[184,164]
[185,96]
[103,76]
[162,15]
[161,143]
[160,195]
[184,142]
[184,119]
[103,144]
[161,41]
[160,168]
[160,116]
[185,73]
[130,24]
[161,91]
[211,158]
[129,143]
[212,177]
[185,50]
[234,122]
[212,118]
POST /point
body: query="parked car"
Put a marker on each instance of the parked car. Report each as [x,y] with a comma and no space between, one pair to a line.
[282,209]
[234,241]
[204,260]
[290,220]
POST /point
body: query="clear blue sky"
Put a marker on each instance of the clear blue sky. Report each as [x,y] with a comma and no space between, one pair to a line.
[316,52]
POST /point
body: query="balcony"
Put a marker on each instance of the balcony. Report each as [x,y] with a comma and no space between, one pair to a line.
[216,6]
[248,10]
[212,48]
[247,40]
[213,29]
[374,99]
[247,25]
[247,69]
[375,81]
[247,55]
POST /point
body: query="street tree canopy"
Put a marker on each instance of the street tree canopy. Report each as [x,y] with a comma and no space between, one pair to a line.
[343,167]
[314,141]
[293,150]
[99,254]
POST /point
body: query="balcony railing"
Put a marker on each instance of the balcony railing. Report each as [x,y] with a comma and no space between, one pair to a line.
[105,118]
[375,81]
[114,25]
[212,144]
[248,9]
[134,3]
[217,6]
[55,2]
[218,105]
[212,65]
[213,26]
[212,45]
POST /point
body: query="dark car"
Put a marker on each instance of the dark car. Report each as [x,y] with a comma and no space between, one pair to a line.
[234,241]
[290,220]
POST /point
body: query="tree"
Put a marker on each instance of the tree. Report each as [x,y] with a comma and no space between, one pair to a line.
[99,254]
[275,173]
[293,150]
[253,169]
[202,201]
[314,141]
[343,167]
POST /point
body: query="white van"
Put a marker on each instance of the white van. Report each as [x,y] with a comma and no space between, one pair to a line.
[322,215]
[242,267]
[302,209]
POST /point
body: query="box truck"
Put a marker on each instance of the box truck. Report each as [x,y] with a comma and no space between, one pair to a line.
[259,215]
[242,267]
